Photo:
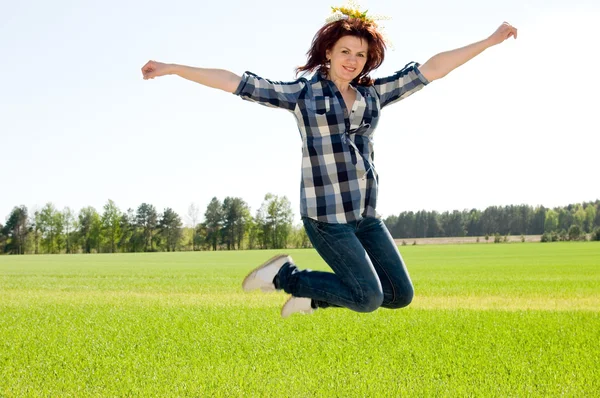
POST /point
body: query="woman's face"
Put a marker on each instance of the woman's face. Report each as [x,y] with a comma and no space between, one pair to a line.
[348,57]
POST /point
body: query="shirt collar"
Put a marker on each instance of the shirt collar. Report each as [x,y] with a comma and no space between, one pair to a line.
[322,77]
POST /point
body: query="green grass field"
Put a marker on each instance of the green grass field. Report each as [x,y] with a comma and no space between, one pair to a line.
[487,320]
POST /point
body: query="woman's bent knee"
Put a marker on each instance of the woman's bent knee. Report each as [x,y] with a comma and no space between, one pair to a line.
[401,301]
[369,302]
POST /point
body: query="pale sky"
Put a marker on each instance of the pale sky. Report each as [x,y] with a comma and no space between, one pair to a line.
[78,124]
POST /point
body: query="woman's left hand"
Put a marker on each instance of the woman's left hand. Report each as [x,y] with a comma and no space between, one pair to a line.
[504,32]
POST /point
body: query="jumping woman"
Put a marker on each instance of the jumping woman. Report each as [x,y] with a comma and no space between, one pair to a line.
[337,110]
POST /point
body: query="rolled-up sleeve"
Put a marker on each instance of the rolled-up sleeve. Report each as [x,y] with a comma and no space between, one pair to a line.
[400,85]
[269,93]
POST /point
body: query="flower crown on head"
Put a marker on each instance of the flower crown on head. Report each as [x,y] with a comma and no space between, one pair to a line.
[352,10]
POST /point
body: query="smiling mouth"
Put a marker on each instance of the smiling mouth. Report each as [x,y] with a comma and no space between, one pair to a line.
[350,69]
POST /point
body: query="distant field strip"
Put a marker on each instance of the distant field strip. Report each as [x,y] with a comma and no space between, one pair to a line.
[120,298]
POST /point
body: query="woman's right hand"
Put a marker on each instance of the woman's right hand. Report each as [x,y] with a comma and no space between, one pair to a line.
[154,69]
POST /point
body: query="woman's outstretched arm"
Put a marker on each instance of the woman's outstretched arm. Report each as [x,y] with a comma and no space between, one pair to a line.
[443,63]
[215,78]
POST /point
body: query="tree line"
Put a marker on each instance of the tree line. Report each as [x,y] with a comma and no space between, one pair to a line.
[226,225]
[570,222]
[229,225]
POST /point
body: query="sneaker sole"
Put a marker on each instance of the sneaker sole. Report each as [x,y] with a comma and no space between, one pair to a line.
[277,257]
[297,312]
[283,307]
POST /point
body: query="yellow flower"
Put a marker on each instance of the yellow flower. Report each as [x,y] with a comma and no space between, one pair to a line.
[354,13]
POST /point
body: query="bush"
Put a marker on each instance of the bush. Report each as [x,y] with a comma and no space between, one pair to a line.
[403,243]
[574,232]
[584,237]
[478,239]
[487,237]
[497,238]
[546,237]
[523,238]
[549,237]
[563,235]
[596,234]
[414,243]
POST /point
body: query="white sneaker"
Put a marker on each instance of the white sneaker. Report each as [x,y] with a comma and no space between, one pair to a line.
[296,304]
[262,276]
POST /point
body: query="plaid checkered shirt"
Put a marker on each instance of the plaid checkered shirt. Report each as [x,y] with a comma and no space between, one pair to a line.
[339,182]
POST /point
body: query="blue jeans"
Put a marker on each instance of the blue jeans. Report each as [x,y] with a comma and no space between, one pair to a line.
[368,269]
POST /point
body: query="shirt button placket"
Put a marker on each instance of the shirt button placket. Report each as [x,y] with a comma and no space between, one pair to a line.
[346,120]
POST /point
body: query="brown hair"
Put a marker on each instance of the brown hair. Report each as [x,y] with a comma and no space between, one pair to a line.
[329,34]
